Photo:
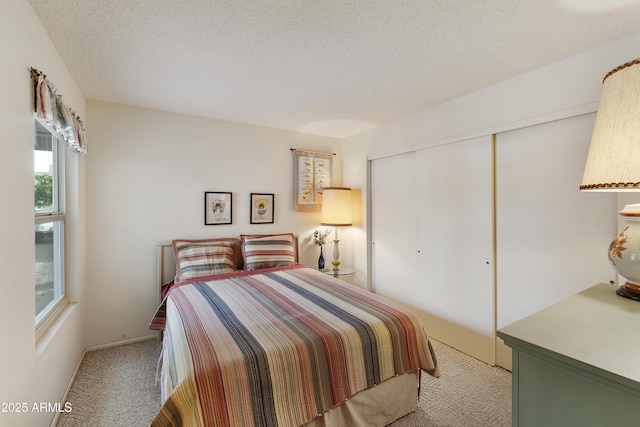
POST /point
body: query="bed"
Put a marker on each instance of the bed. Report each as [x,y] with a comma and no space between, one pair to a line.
[252,338]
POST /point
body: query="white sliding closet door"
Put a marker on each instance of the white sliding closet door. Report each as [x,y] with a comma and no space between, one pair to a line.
[455,287]
[552,239]
[393,225]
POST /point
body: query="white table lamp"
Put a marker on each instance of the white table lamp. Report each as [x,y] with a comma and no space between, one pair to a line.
[336,211]
[613,164]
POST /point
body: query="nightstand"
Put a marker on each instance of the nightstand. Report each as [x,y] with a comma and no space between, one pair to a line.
[347,274]
[343,271]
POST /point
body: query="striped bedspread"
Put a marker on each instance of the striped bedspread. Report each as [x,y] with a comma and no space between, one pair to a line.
[280,347]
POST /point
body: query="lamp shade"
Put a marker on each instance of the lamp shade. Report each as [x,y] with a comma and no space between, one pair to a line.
[336,206]
[613,162]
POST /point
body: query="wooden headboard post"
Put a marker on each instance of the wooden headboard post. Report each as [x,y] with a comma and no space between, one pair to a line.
[166,265]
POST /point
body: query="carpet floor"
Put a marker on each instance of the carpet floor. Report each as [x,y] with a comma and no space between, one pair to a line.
[115,387]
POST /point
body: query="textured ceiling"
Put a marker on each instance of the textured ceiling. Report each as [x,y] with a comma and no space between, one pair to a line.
[328,67]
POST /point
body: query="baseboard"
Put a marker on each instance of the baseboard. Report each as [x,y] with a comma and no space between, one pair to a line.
[123,342]
[503,355]
[54,421]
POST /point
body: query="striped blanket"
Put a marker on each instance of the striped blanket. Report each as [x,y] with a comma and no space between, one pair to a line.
[280,347]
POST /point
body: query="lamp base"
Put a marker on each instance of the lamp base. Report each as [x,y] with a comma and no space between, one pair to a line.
[336,267]
[629,290]
[624,250]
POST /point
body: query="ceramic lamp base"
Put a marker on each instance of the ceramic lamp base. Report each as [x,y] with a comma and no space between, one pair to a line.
[624,253]
[629,290]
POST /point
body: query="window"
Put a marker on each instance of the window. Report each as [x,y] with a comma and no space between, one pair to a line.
[49,209]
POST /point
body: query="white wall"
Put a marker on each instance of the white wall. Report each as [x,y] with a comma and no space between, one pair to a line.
[147,172]
[31,372]
[567,87]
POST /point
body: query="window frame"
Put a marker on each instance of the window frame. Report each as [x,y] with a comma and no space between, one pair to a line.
[56,215]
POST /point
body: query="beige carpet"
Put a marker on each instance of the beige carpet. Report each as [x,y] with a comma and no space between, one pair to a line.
[115,388]
[469,393]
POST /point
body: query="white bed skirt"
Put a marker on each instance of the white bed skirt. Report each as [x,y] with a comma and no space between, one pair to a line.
[377,406]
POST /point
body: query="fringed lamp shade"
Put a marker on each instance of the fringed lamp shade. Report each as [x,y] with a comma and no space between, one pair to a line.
[613,162]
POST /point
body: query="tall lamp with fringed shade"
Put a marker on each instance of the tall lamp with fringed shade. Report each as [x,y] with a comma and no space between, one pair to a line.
[613,164]
[336,212]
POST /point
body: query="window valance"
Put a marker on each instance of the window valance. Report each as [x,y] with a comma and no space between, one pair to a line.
[50,108]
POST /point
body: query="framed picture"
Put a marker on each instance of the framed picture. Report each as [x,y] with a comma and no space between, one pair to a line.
[217,208]
[312,172]
[261,208]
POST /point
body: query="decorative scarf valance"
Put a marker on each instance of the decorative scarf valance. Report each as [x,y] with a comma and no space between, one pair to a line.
[50,108]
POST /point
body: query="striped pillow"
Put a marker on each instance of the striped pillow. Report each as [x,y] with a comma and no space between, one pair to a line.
[201,258]
[268,250]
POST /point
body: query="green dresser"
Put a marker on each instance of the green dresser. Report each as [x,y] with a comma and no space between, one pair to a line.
[577,363]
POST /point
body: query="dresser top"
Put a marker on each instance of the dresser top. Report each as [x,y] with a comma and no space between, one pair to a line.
[595,327]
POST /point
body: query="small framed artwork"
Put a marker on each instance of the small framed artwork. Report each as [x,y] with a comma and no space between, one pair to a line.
[217,208]
[261,208]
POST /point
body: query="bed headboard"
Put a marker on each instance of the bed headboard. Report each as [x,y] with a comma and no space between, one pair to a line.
[167,266]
